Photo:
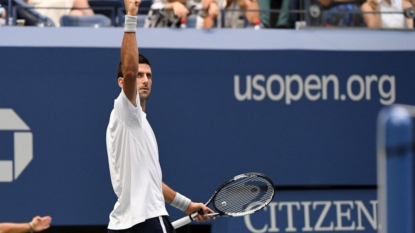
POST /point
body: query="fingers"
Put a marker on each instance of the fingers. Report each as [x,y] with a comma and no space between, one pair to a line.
[180,10]
[201,217]
[41,223]
[36,219]
[209,211]
[131,6]
[46,220]
[201,211]
[213,10]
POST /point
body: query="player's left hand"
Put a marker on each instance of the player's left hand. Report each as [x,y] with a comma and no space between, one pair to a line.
[201,209]
[41,223]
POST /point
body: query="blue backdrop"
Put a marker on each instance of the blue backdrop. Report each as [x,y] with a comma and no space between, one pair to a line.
[303,117]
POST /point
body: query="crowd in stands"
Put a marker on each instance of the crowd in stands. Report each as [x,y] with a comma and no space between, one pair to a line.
[396,14]
[2,16]
[67,7]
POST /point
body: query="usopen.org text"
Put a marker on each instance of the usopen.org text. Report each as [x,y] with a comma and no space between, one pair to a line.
[294,87]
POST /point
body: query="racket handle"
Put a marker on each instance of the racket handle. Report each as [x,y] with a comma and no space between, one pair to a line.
[183,221]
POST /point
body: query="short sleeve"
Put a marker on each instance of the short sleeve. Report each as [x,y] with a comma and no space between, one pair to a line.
[125,111]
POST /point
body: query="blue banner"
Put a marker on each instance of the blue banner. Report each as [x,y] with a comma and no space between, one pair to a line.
[312,211]
[302,117]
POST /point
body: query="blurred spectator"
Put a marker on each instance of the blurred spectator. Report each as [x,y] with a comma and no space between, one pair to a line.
[165,13]
[209,15]
[71,7]
[284,16]
[234,16]
[286,19]
[387,20]
[2,16]
[37,224]
[338,13]
[265,6]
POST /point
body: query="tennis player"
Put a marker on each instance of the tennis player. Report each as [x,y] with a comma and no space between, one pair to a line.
[132,148]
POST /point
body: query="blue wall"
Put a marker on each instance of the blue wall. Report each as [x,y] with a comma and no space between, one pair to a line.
[209,128]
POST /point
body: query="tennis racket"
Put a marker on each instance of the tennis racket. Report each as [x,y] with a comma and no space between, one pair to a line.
[243,194]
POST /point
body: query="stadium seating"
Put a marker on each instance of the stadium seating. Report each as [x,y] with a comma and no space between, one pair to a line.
[108,8]
[30,15]
[85,21]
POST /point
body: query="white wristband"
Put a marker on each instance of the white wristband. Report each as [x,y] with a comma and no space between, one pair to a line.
[130,24]
[180,202]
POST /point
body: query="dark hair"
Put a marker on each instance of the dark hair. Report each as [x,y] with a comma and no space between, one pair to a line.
[141,60]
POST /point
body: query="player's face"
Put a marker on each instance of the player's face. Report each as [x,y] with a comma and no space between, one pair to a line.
[144,81]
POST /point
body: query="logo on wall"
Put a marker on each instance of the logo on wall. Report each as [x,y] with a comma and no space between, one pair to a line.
[292,88]
[23,145]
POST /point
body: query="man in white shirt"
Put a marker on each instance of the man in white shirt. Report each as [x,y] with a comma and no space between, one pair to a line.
[392,18]
[132,148]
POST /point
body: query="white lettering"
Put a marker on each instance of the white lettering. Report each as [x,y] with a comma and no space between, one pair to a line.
[248,91]
[273,215]
[344,214]
[369,80]
[290,205]
[341,214]
[308,86]
[355,78]
[391,94]
[361,208]
[322,216]
[289,96]
[271,79]
[335,81]
[258,87]
[306,205]
[251,228]
[313,87]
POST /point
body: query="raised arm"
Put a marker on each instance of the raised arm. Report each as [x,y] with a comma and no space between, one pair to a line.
[372,20]
[129,51]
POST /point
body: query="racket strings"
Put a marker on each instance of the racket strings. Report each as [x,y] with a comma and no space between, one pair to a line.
[247,194]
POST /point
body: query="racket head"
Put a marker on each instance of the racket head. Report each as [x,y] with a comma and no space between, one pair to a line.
[243,194]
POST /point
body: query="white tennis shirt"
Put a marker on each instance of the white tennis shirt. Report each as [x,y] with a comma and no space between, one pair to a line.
[134,166]
[390,19]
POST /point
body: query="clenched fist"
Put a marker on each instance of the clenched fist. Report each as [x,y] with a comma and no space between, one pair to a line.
[41,223]
[131,7]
